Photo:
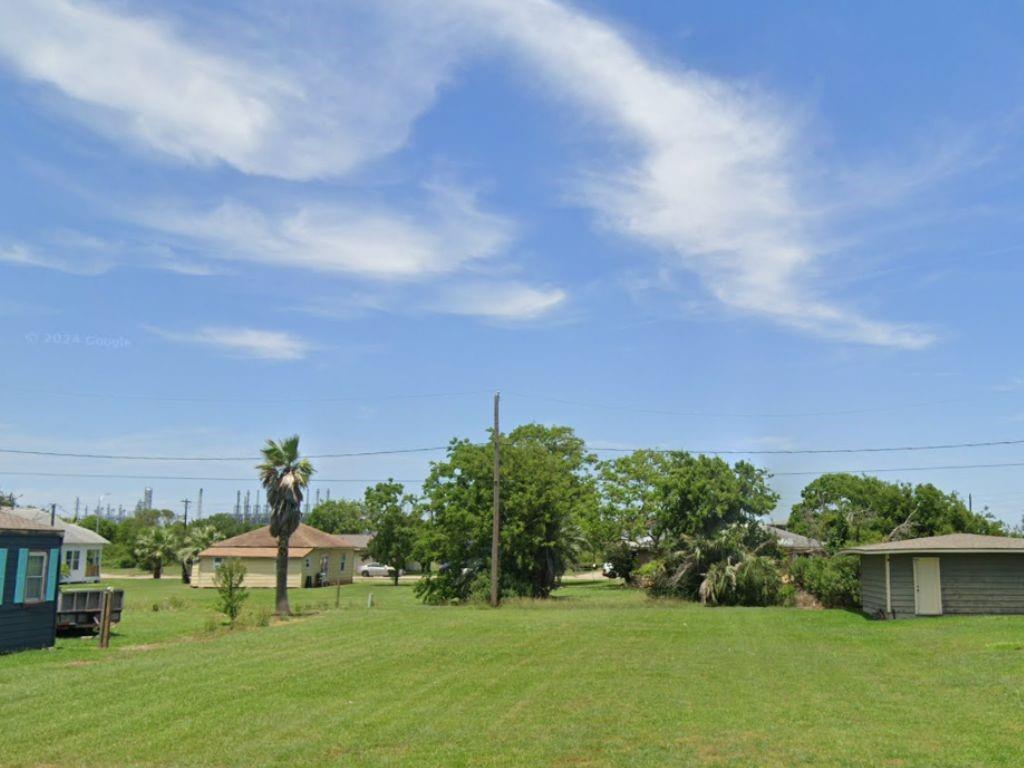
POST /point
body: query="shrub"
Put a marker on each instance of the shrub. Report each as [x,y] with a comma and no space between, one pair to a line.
[231,595]
[834,581]
[755,581]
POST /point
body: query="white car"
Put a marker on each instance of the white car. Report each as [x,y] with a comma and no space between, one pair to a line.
[376,569]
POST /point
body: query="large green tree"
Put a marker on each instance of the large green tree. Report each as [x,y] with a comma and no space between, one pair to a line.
[284,475]
[397,524]
[841,509]
[547,488]
[340,516]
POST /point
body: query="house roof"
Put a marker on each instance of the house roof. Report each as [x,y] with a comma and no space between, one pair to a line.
[789,540]
[305,538]
[358,540]
[218,551]
[73,534]
[12,522]
[952,543]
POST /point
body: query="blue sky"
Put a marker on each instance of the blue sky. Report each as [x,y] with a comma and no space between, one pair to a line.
[710,227]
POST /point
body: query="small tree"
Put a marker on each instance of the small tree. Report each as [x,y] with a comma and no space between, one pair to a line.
[231,595]
[153,548]
[195,540]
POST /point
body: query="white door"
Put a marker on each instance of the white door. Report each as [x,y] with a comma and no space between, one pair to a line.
[927,587]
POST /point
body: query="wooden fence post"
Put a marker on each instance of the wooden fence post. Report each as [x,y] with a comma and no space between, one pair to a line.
[108,604]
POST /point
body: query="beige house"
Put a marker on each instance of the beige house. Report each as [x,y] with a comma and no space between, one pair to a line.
[315,558]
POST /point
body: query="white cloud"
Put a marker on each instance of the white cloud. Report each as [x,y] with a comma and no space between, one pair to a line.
[379,243]
[244,342]
[498,300]
[711,180]
[28,256]
[301,106]
[707,170]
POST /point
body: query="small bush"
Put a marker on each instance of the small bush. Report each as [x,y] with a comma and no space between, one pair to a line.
[231,595]
[834,581]
[753,581]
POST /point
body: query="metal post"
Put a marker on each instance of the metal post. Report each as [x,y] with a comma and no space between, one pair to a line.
[496,503]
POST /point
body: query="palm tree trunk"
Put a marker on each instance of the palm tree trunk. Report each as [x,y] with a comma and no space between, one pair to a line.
[283,608]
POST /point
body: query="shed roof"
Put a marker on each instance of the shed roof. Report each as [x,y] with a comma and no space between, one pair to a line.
[73,534]
[12,522]
[952,543]
[305,538]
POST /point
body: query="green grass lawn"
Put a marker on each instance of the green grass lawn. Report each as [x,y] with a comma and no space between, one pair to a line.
[598,676]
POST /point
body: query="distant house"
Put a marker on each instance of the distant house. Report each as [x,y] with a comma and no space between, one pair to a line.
[361,542]
[29,563]
[794,544]
[82,550]
[962,573]
[315,558]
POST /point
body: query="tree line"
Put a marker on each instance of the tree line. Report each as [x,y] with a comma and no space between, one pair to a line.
[672,522]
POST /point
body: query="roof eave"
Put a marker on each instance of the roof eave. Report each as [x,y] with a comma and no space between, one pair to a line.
[933,551]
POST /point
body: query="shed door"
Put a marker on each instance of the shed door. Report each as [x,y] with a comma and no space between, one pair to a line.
[927,587]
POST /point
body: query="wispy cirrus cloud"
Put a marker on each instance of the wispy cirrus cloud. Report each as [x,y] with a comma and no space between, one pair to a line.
[446,234]
[509,300]
[711,179]
[243,342]
[23,255]
[705,171]
[267,104]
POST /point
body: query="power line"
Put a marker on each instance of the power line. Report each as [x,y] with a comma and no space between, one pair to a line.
[899,469]
[429,449]
[126,457]
[245,400]
[799,451]
[252,479]
[738,414]
[873,470]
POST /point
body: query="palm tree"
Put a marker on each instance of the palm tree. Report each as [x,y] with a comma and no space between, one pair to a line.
[284,475]
[154,547]
[198,538]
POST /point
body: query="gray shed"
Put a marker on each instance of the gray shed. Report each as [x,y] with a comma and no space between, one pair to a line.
[962,573]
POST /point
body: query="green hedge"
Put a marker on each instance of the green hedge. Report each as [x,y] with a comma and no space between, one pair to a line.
[834,581]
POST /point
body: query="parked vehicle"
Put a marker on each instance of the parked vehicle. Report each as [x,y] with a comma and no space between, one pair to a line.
[377,569]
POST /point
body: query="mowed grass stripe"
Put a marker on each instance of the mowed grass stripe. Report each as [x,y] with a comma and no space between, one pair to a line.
[600,677]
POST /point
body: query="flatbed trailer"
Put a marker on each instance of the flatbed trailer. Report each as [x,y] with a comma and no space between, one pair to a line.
[82,608]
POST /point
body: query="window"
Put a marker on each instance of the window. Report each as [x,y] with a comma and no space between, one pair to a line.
[324,560]
[309,563]
[73,559]
[216,563]
[341,561]
[35,578]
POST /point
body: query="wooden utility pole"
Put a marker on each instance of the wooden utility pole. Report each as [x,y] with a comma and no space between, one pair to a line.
[186,502]
[496,511]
